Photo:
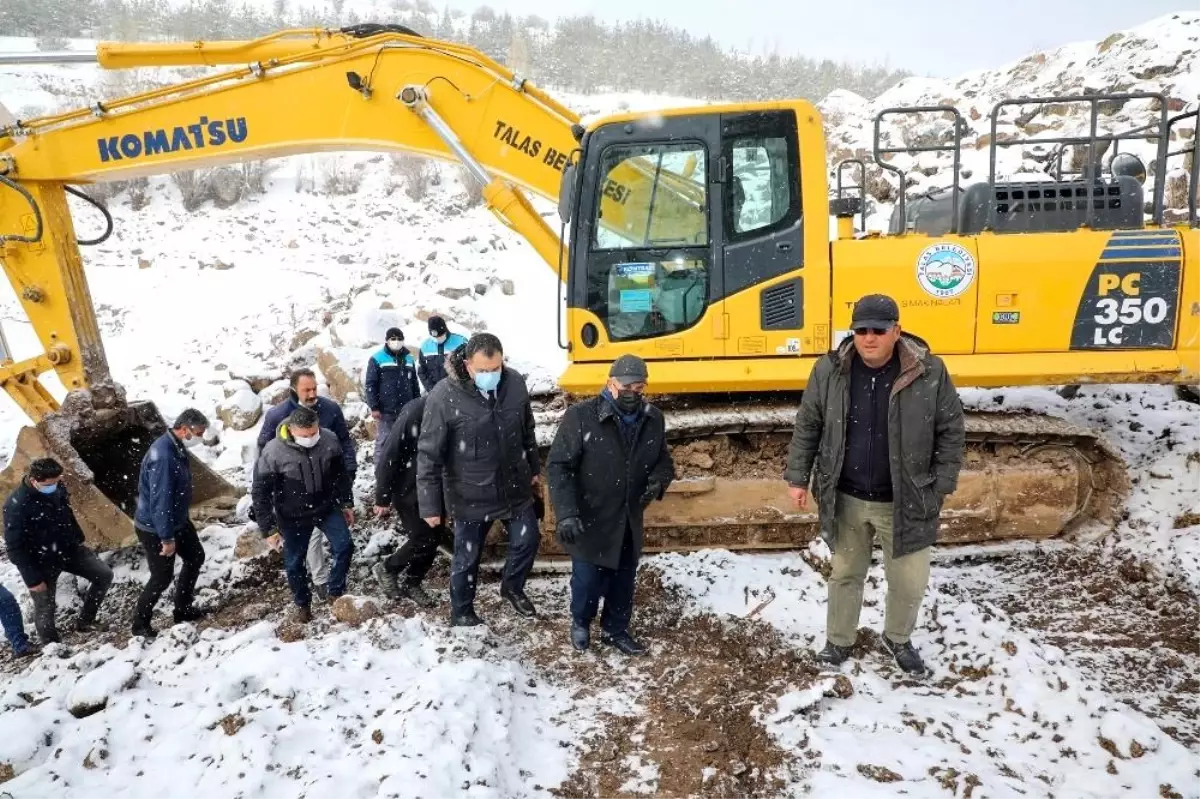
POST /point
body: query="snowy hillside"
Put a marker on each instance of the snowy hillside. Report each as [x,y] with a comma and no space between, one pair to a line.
[1059,670]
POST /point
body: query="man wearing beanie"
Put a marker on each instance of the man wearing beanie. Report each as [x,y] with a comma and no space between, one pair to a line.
[609,460]
[391,383]
[441,343]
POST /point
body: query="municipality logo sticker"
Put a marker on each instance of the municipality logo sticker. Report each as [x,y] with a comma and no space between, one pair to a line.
[945,270]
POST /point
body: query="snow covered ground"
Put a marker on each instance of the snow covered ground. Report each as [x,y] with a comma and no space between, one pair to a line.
[1060,670]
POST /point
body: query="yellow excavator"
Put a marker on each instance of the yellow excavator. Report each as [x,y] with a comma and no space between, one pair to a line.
[699,239]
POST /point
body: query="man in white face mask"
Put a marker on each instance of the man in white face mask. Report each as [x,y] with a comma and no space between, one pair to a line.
[301,482]
[391,384]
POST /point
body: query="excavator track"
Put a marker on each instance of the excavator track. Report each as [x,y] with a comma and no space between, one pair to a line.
[1024,477]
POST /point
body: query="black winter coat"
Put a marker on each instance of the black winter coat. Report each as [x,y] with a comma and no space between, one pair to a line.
[396,471]
[40,531]
[292,483]
[593,475]
[391,381]
[484,458]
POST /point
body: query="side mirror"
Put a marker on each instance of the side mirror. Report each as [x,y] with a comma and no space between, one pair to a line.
[566,193]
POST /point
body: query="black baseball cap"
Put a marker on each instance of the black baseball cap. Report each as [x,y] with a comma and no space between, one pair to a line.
[875,310]
[629,369]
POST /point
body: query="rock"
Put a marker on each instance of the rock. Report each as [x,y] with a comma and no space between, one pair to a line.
[275,393]
[507,288]
[432,256]
[231,387]
[301,338]
[257,380]
[249,544]
[290,632]
[6,772]
[341,376]
[345,260]
[377,736]
[842,687]
[700,459]
[454,294]
[241,411]
[143,263]
[91,693]
[355,610]
[386,305]
[220,265]
[481,288]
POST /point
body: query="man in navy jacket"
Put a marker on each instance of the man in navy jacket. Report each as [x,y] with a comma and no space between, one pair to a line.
[44,540]
[391,384]
[162,524]
[304,393]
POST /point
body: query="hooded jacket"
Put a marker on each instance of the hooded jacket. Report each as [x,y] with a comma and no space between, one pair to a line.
[926,439]
[331,417]
[293,484]
[483,456]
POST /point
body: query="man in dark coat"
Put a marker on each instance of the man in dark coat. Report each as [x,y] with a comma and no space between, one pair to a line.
[162,524]
[301,482]
[390,384]
[44,540]
[435,350]
[478,450]
[880,433]
[304,393]
[396,485]
[609,460]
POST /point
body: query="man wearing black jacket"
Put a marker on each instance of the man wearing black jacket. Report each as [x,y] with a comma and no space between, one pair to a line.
[301,482]
[44,540]
[478,445]
[609,460]
[396,485]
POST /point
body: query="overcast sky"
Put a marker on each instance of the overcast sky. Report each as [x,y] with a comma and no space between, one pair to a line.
[943,38]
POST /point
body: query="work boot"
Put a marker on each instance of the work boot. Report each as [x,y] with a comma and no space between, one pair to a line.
[833,655]
[465,619]
[144,630]
[906,655]
[302,614]
[191,613]
[386,580]
[29,651]
[520,602]
[418,595]
[581,637]
[322,591]
[625,643]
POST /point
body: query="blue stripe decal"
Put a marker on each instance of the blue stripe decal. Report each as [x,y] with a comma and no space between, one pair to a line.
[1118,253]
[1136,233]
[1144,241]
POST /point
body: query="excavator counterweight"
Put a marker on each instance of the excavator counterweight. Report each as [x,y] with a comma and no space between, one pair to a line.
[699,239]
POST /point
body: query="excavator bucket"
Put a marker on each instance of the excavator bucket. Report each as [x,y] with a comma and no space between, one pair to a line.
[101,452]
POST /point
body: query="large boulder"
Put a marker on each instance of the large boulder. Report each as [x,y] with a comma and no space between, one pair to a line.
[343,368]
[275,393]
[355,610]
[241,410]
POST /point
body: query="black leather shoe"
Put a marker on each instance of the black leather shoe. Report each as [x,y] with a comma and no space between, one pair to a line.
[625,643]
[387,580]
[466,619]
[907,657]
[581,638]
[520,603]
[833,655]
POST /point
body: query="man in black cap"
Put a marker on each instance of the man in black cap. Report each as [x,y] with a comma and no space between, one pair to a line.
[880,433]
[435,350]
[609,460]
[391,384]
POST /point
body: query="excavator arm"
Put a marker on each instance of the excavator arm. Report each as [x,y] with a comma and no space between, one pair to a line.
[300,91]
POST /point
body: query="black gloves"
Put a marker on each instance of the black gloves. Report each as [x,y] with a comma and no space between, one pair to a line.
[654,490]
[570,530]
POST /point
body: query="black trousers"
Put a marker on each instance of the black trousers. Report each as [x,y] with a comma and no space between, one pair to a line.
[162,570]
[415,557]
[82,562]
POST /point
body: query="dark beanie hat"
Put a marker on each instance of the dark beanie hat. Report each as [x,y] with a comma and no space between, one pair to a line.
[394,332]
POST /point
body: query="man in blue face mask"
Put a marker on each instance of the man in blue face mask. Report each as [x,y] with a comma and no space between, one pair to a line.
[477,453]
[44,540]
